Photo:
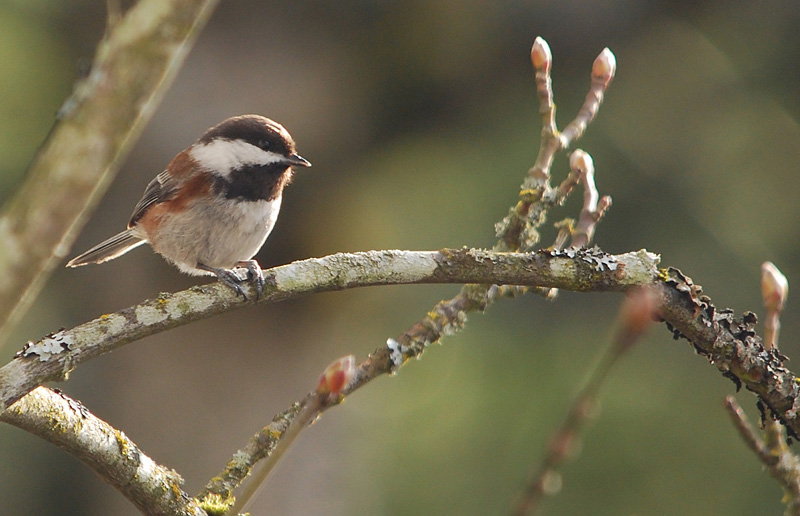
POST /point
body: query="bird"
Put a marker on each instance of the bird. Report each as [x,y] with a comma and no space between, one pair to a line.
[213,207]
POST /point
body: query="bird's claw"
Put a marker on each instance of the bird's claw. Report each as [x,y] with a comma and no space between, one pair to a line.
[255,275]
[234,280]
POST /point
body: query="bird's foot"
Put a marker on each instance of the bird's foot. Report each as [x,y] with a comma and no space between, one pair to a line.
[255,275]
[232,278]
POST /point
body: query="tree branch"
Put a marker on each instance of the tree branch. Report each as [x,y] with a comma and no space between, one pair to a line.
[517,231]
[731,344]
[678,302]
[97,126]
[153,489]
[52,357]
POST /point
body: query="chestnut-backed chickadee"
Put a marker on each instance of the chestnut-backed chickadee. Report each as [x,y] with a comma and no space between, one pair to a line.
[215,204]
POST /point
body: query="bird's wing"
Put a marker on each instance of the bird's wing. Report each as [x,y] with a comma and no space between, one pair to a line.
[160,189]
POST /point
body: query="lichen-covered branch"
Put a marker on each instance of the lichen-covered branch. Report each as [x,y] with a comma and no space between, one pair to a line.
[153,489]
[732,345]
[97,126]
[52,357]
[518,230]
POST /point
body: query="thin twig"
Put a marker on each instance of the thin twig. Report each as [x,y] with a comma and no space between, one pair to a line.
[593,206]
[310,410]
[636,314]
[278,437]
[776,457]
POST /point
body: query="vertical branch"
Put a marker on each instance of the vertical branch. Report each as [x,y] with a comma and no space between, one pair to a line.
[594,207]
[542,60]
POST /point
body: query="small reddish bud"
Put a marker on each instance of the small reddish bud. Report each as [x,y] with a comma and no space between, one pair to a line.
[604,67]
[774,287]
[337,376]
[540,55]
[637,313]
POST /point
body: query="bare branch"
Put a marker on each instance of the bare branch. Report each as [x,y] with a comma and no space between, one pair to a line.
[680,304]
[603,70]
[336,377]
[594,207]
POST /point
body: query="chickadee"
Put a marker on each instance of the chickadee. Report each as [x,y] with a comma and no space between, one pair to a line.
[215,204]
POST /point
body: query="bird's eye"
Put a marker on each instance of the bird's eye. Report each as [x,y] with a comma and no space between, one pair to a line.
[263,144]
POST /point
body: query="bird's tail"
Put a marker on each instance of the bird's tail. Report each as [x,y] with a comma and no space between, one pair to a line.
[115,246]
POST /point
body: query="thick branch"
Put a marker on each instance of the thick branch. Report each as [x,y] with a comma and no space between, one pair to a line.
[97,126]
[154,489]
[586,270]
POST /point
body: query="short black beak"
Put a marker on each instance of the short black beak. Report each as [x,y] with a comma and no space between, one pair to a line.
[297,160]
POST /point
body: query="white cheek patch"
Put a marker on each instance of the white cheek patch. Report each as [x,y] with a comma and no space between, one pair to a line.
[223,156]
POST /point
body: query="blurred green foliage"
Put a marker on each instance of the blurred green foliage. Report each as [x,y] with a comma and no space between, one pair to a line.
[420,119]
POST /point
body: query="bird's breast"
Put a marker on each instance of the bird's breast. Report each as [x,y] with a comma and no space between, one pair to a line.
[217,233]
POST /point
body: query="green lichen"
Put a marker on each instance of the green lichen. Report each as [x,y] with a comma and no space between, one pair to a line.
[184,307]
[530,195]
[215,504]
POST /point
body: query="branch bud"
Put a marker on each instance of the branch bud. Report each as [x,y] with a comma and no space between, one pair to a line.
[604,67]
[774,287]
[337,376]
[637,313]
[541,57]
[604,204]
[581,161]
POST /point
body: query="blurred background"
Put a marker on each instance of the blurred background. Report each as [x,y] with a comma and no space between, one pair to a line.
[421,120]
